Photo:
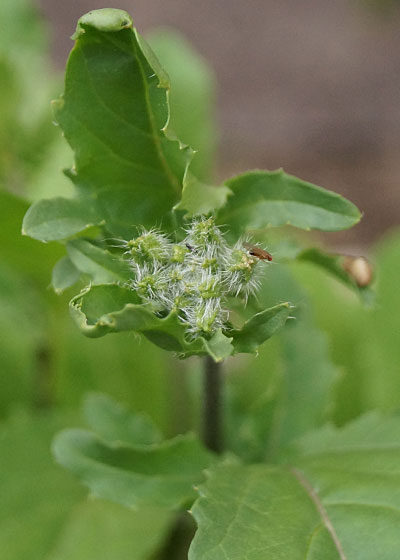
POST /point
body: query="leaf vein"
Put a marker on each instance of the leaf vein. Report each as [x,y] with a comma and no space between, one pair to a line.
[104,104]
[321,510]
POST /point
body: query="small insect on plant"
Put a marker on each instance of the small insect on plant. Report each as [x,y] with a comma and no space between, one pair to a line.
[258,252]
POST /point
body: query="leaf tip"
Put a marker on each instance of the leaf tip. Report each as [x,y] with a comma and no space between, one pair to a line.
[105,20]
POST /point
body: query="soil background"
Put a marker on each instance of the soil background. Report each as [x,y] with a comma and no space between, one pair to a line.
[312,86]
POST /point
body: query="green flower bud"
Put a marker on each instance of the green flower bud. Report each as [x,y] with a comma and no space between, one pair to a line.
[178,253]
[150,247]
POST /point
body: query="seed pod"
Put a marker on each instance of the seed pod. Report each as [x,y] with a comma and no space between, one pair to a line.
[359,269]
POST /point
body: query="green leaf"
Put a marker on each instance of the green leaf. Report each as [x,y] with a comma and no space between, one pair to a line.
[334,264]
[114,113]
[100,265]
[257,512]
[200,199]
[219,346]
[60,218]
[113,422]
[65,274]
[94,308]
[259,328]
[295,392]
[103,309]
[306,394]
[135,475]
[337,499]
[36,493]
[273,198]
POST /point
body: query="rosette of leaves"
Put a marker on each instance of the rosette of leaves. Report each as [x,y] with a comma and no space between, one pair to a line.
[131,171]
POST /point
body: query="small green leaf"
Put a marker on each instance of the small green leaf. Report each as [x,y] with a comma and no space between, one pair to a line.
[201,199]
[259,328]
[99,264]
[114,423]
[65,274]
[336,499]
[158,475]
[273,198]
[59,218]
[89,307]
[103,309]
[219,346]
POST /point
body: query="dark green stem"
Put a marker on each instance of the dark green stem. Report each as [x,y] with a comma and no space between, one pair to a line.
[177,544]
[43,390]
[212,417]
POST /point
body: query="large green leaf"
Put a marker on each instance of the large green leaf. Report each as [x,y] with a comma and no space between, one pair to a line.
[337,499]
[306,393]
[44,513]
[114,113]
[290,391]
[273,198]
[135,475]
[113,422]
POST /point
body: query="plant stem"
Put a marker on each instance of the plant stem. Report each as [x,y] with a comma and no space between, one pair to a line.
[43,390]
[178,543]
[212,432]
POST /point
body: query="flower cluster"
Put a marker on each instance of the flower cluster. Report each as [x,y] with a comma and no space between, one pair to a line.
[194,277]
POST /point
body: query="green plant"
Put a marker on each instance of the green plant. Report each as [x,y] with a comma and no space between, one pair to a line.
[166,255]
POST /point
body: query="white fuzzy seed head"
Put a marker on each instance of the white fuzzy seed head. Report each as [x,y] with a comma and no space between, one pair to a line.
[194,277]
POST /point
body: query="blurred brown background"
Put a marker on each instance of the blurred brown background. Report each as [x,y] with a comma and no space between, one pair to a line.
[311,86]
